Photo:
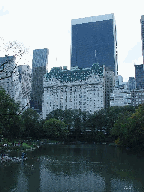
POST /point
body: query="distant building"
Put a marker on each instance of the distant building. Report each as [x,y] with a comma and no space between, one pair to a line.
[142,35]
[137,97]
[139,76]
[9,77]
[74,89]
[109,86]
[39,68]
[131,83]
[25,74]
[120,97]
[94,39]
[119,81]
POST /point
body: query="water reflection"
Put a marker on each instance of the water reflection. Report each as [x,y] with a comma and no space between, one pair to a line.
[110,164]
[22,181]
[75,168]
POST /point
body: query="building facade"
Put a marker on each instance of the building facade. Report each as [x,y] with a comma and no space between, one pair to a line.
[74,89]
[9,77]
[109,86]
[139,76]
[131,83]
[39,68]
[25,74]
[137,97]
[120,97]
[94,39]
[142,35]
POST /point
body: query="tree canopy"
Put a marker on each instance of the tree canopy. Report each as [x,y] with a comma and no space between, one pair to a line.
[9,119]
[55,129]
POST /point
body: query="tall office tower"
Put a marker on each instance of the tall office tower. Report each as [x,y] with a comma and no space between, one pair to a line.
[139,76]
[94,40]
[142,35]
[39,68]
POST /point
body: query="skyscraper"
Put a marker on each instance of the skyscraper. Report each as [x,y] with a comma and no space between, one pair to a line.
[94,40]
[139,76]
[142,35]
[39,68]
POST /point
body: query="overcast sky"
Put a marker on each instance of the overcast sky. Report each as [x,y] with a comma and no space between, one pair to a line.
[47,24]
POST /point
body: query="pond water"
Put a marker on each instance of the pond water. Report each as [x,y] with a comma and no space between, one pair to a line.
[74,168]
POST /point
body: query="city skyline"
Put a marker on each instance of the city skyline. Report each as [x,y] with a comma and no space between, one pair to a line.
[48,25]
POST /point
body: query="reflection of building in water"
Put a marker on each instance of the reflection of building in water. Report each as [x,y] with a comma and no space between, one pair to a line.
[69,174]
[74,89]
[34,178]
[22,181]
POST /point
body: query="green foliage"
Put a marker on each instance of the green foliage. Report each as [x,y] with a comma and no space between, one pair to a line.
[55,129]
[9,119]
[124,124]
[30,127]
[76,121]
[129,128]
[26,146]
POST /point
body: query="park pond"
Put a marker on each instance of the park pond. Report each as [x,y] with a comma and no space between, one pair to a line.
[74,168]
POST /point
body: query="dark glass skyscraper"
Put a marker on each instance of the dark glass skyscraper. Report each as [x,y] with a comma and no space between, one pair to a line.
[94,40]
[139,76]
[39,67]
[142,35]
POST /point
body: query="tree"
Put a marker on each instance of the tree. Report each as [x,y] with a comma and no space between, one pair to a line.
[57,114]
[30,119]
[121,129]
[9,119]
[129,128]
[55,129]
[9,75]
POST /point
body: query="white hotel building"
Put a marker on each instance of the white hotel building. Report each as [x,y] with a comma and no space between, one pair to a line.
[74,89]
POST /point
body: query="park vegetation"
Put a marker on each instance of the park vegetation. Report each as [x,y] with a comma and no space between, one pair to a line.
[122,125]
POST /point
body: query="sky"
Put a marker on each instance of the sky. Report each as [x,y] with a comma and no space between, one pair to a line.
[47,24]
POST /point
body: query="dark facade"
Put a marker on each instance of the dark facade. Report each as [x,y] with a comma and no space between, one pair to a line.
[94,40]
[139,76]
[109,86]
[142,35]
[39,68]
[131,83]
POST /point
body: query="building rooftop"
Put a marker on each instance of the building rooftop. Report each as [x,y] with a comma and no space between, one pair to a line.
[92,19]
[75,74]
[5,60]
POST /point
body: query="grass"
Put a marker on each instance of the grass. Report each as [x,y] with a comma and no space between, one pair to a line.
[26,146]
